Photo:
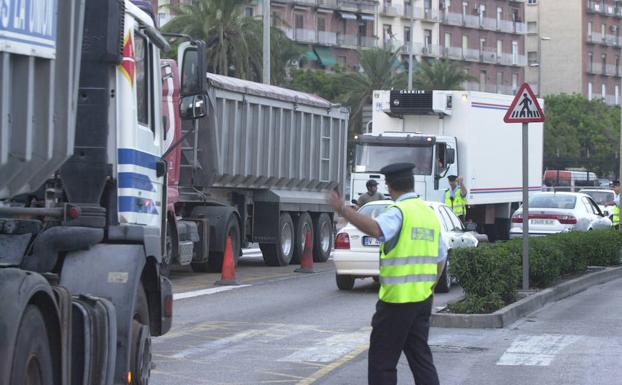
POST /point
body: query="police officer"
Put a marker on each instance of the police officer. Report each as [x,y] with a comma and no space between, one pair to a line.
[455,196]
[616,208]
[412,258]
[372,193]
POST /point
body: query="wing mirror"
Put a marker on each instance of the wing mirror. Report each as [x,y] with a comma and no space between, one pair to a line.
[193,107]
[450,155]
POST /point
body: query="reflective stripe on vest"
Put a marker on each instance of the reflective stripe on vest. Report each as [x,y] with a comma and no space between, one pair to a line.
[408,269]
[616,215]
[458,206]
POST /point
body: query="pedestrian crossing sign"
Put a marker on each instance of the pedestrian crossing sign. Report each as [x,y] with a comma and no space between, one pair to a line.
[524,107]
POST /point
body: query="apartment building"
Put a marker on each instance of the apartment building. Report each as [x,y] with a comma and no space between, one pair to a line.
[574,46]
[162,11]
[331,30]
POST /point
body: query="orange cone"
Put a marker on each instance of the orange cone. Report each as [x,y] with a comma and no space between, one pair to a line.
[227,276]
[306,262]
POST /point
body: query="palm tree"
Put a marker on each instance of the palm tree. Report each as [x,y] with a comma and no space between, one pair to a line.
[234,41]
[440,75]
[380,69]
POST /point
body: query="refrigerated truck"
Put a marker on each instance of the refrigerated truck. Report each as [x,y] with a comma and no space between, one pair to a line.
[254,165]
[82,193]
[452,133]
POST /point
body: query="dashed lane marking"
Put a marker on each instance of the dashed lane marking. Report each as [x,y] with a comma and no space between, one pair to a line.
[202,292]
[329,349]
[329,368]
[535,350]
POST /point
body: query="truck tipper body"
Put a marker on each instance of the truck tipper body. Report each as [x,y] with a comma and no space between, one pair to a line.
[82,193]
[254,167]
[452,133]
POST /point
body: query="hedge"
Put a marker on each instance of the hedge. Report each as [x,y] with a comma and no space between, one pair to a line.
[492,273]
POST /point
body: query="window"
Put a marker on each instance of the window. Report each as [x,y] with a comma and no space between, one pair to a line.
[499,48]
[465,43]
[590,59]
[427,35]
[603,30]
[482,44]
[514,82]
[447,40]
[482,80]
[141,58]
[532,58]
[515,52]
[603,90]
[465,8]
[407,34]
[589,28]
[321,23]
[499,16]
[589,91]
[482,14]
[299,21]
[499,81]
[248,11]
[532,2]
[603,62]
[617,65]
[455,224]
[617,94]
[388,34]
[532,27]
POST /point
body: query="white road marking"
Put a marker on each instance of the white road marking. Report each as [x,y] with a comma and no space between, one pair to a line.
[218,344]
[198,293]
[329,349]
[535,350]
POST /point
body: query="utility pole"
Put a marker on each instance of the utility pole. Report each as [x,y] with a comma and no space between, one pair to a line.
[620,171]
[410,46]
[266,41]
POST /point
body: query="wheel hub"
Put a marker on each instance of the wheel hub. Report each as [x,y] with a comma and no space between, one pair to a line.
[141,368]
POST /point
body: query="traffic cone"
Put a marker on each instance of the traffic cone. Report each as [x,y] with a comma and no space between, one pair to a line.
[306,262]
[227,277]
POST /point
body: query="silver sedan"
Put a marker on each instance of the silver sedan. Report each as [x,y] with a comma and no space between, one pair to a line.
[557,212]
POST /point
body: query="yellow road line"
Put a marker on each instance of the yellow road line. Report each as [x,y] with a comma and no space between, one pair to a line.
[329,368]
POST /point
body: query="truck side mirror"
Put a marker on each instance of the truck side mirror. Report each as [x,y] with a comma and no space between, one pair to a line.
[191,57]
[450,155]
[192,107]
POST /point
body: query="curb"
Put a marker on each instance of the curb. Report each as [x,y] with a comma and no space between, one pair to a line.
[507,315]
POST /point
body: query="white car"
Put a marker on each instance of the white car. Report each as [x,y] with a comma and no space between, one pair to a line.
[557,212]
[357,255]
[604,198]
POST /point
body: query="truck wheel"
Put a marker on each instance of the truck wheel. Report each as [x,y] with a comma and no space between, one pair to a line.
[323,238]
[140,358]
[280,254]
[214,261]
[32,359]
[344,282]
[302,225]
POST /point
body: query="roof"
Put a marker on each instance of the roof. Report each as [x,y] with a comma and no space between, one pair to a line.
[266,90]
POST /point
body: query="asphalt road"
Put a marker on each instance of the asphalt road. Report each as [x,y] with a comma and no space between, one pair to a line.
[280,327]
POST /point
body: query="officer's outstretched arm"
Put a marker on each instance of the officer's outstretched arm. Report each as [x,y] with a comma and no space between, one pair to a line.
[360,221]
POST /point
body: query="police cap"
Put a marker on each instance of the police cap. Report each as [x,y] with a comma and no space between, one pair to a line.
[397,171]
[452,178]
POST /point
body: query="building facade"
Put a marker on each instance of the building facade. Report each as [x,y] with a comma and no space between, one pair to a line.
[575,46]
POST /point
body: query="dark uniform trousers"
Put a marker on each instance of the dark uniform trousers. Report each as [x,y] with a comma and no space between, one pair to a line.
[397,328]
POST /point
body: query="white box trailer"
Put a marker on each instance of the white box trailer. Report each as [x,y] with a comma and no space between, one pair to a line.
[431,128]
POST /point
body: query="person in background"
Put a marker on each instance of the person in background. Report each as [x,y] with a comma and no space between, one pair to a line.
[371,195]
[455,196]
[412,258]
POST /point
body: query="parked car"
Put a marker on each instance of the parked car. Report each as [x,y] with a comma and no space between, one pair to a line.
[357,255]
[603,198]
[556,212]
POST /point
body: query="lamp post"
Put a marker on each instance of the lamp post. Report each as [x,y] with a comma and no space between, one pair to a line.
[266,41]
[410,46]
[540,40]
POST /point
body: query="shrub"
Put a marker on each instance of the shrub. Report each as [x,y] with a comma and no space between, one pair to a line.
[491,274]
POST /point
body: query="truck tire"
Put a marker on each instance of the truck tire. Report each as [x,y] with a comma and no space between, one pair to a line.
[281,253]
[215,259]
[140,355]
[323,238]
[32,359]
[303,224]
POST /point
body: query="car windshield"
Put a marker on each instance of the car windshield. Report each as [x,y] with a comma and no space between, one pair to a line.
[601,197]
[373,210]
[550,201]
[371,158]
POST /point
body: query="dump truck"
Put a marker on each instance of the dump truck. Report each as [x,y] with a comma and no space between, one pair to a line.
[251,162]
[82,193]
[452,133]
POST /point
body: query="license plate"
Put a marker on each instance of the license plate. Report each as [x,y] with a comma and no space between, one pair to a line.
[370,241]
[541,221]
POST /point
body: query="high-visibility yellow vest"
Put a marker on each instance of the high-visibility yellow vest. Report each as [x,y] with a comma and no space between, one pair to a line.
[408,261]
[616,215]
[458,206]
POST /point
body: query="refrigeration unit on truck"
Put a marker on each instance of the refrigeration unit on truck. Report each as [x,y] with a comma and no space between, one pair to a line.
[452,133]
[82,193]
[251,162]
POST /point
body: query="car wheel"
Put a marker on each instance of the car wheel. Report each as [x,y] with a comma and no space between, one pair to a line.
[444,283]
[344,282]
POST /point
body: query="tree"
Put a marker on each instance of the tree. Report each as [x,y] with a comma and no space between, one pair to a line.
[317,82]
[581,133]
[234,41]
[440,75]
[380,70]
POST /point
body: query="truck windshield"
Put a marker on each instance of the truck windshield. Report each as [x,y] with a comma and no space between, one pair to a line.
[371,158]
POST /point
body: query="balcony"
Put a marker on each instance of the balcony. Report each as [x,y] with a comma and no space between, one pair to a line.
[429,50]
[326,38]
[355,41]
[333,4]
[594,7]
[391,10]
[487,23]
[305,35]
[594,69]
[308,3]
[427,14]
[488,55]
[612,100]
[611,70]
[368,42]
[357,6]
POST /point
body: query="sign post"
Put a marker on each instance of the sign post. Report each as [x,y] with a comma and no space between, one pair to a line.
[525,109]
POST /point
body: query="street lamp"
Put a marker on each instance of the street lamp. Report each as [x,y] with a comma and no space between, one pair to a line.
[540,40]
[266,41]
[410,46]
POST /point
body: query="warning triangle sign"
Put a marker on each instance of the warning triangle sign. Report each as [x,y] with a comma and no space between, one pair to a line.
[524,107]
